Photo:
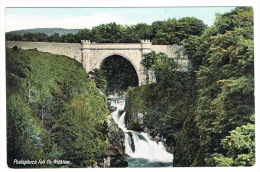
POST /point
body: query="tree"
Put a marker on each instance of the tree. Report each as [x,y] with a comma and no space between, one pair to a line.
[220,80]
[99,78]
[241,17]
[190,26]
[54,112]
[41,37]
[54,38]
[174,31]
[155,27]
[162,102]
[225,85]
[84,34]
[107,33]
[166,34]
[14,37]
[69,38]
[239,147]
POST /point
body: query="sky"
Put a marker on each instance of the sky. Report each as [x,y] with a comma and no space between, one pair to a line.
[80,18]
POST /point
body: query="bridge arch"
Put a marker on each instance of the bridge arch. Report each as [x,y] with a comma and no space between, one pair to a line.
[106,57]
[91,54]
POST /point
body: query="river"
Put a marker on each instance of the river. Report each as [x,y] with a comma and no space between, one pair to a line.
[142,151]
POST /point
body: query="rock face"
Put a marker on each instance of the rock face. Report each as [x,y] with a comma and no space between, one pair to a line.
[102,163]
[116,139]
[133,120]
[132,141]
[168,142]
[117,162]
[116,150]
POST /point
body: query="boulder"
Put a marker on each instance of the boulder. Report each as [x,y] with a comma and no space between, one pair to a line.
[116,150]
[118,163]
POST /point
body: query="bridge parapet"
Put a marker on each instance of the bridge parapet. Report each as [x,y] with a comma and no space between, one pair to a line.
[85,42]
[91,55]
[145,44]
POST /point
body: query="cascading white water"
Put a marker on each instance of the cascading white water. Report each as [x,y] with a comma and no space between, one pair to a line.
[120,107]
[148,149]
[121,122]
[143,147]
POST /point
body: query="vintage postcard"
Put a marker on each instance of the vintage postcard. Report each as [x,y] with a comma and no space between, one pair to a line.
[103,86]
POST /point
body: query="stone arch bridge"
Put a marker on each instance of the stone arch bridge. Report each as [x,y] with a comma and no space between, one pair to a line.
[92,55]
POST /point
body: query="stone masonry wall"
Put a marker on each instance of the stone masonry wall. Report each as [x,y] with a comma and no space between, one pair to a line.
[92,55]
[170,50]
[72,50]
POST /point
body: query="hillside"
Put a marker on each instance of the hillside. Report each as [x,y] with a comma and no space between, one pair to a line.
[48,111]
[206,114]
[48,31]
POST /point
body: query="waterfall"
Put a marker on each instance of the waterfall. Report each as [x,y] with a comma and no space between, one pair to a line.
[138,144]
[121,122]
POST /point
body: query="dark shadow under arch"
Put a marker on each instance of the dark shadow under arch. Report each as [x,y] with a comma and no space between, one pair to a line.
[119,73]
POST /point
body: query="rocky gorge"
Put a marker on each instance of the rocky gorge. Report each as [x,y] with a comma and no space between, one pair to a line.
[130,142]
[134,121]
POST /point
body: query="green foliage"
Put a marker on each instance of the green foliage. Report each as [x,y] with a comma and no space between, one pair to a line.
[241,17]
[54,38]
[239,148]
[222,58]
[84,34]
[205,111]
[187,145]
[27,138]
[68,38]
[135,33]
[54,110]
[165,68]
[99,78]
[151,59]
[47,31]
[172,31]
[107,33]
[162,103]
[216,160]
[226,89]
